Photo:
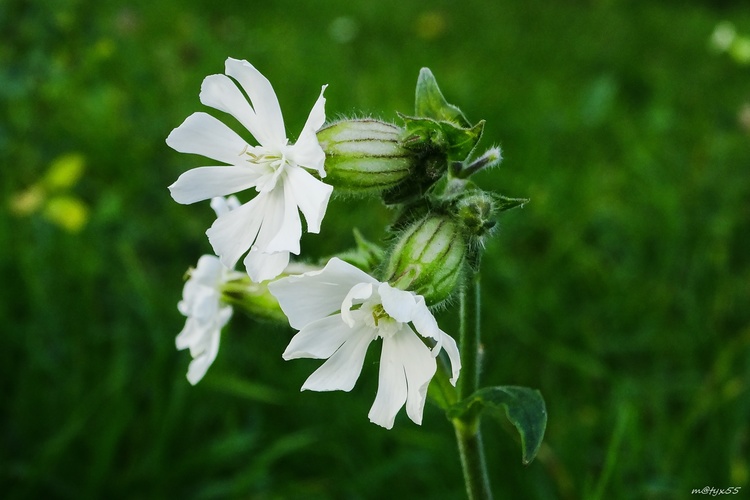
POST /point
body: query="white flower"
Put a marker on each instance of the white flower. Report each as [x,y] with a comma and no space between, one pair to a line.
[268,225]
[339,311]
[206,314]
[201,303]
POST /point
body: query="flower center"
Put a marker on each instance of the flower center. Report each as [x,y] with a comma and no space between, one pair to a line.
[380,320]
[378,313]
[271,165]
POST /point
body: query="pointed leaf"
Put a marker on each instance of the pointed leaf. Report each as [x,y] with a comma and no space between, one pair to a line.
[430,102]
[524,408]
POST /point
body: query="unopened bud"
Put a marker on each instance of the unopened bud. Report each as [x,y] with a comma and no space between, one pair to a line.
[491,158]
[429,258]
[364,155]
[476,211]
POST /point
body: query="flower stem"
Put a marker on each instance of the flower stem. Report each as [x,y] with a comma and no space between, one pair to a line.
[468,432]
[469,440]
[470,338]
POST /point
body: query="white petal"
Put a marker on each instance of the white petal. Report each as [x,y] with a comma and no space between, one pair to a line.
[317,116]
[225,314]
[199,365]
[307,151]
[289,230]
[425,322]
[222,205]
[406,368]
[208,271]
[263,266]
[316,294]
[420,367]
[310,195]
[203,183]
[399,304]
[232,234]
[319,339]
[220,92]
[204,135]
[451,348]
[360,291]
[392,389]
[342,369]
[232,203]
[280,220]
[190,334]
[264,101]
[205,305]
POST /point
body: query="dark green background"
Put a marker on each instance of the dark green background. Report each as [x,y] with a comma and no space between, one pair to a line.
[622,291]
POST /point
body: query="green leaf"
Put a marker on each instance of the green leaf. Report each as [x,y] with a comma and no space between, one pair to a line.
[430,102]
[524,408]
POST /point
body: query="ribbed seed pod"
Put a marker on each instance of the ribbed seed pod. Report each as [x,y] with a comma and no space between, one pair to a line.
[429,258]
[364,156]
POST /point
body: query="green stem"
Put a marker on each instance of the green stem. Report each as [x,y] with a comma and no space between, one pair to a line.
[469,440]
[470,332]
[468,432]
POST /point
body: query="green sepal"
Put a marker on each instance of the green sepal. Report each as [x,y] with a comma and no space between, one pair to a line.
[425,139]
[462,140]
[504,203]
[253,299]
[430,103]
[524,408]
[445,138]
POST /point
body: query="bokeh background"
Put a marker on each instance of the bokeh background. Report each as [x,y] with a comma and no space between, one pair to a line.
[621,292]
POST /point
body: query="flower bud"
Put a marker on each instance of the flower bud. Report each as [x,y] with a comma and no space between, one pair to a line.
[364,155]
[429,258]
[476,211]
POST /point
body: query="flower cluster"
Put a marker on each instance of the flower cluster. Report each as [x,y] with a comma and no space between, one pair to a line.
[338,309]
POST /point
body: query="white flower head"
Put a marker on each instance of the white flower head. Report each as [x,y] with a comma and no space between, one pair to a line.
[339,311]
[201,303]
[206,314]
[268,225]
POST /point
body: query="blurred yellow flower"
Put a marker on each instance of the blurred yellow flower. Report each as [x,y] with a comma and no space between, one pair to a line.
[28,201]
[68,212]
[64,172]
[50,195]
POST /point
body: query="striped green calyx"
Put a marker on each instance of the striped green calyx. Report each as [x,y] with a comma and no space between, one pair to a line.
[364,156]
[429,258]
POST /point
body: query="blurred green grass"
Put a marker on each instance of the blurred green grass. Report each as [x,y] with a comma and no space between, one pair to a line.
[621,291]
